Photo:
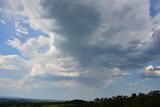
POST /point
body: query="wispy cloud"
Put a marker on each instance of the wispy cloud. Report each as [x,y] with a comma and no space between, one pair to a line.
[3,22]
[19,26]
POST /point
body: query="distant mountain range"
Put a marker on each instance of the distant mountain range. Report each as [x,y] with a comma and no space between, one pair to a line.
[18,99]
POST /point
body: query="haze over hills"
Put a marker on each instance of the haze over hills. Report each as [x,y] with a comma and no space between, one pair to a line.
[19,99]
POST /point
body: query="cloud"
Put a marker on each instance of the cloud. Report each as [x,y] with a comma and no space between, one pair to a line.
[101,38]
[132,86]
[12,68]
[4,63]
[3,22]
[94,36]
[150,72]
[19,26]
[46,62]
[3,66]
[89,42]
[119,37]
[9,9]
[47,59]
[4,82]
[12,62]
[32,11]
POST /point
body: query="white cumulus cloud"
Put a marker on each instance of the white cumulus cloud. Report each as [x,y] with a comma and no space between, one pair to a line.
[150,72]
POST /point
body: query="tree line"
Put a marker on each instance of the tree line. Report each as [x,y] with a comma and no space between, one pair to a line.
[152,99]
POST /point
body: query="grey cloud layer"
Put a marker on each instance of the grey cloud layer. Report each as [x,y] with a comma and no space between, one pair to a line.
[101,32]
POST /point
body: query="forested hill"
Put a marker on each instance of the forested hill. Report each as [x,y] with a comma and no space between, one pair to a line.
[152,99]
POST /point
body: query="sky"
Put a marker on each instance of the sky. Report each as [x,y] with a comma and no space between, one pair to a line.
[72,49]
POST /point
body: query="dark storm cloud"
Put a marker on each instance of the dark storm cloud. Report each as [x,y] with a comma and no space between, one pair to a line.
[100,35]
[77,21]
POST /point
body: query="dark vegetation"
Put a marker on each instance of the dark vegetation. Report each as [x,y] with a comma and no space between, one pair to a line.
[152,99]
